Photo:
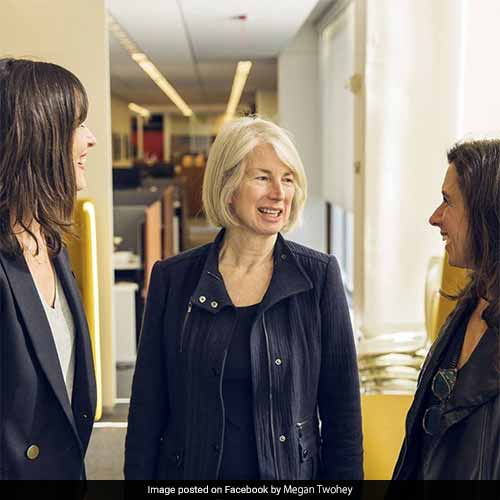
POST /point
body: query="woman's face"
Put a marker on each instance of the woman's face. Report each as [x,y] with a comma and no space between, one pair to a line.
[263,201]
[83,140]
[453,222]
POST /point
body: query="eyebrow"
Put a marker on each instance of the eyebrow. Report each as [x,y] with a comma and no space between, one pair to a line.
[265,170]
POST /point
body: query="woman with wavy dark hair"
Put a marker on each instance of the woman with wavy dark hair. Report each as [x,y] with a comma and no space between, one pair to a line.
[453,426]
[48,391]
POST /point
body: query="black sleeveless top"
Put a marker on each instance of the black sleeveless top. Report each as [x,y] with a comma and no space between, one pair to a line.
[239,453]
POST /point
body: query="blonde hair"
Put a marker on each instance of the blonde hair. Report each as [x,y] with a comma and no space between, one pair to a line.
[226,167]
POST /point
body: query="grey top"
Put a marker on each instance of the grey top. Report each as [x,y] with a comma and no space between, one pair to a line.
[63,331]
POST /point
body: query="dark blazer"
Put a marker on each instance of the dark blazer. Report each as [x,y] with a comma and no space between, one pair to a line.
[41,435]
[468,445]
[303,364]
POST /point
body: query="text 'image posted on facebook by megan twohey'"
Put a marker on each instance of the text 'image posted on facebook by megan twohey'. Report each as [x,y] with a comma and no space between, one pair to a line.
[232,490]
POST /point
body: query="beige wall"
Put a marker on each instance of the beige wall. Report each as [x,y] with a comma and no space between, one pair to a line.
[411,115]
[298,101]
[120,124]
[74,35]
[266,104]
[120,116]
[196,125]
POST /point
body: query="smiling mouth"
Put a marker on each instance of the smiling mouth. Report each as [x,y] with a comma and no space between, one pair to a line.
[270,211]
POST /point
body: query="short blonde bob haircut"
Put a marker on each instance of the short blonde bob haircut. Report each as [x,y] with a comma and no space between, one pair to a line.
[227,160]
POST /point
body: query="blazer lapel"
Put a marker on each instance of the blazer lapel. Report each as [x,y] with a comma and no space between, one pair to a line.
[84,388]
[37,327]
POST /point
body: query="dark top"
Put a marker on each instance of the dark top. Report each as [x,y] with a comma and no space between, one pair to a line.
[239,455]
[450,360]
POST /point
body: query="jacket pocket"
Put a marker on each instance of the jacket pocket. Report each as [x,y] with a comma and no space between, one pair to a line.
[308,443]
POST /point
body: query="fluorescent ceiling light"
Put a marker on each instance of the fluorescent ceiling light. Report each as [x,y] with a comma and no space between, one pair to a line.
[145,113]
[147,66]
[240,78]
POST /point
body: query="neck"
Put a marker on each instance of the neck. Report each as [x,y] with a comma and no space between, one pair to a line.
[482,304]
[25,238]
[245,250]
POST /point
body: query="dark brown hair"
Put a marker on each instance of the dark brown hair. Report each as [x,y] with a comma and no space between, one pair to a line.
[41,105]
[478,167]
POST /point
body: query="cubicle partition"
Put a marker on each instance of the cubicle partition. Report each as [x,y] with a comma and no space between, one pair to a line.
[145,232]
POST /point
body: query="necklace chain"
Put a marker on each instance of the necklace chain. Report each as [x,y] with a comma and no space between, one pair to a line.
[30,253]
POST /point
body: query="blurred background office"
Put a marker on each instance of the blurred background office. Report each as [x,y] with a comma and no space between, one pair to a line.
[373,91]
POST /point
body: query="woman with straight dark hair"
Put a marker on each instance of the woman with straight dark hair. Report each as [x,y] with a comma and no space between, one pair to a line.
[453,426]
[48,394]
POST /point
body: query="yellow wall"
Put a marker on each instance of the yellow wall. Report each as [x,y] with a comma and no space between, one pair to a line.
[74,35]
[384,417]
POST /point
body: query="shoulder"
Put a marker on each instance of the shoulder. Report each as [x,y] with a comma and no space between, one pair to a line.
[309,257]
[303,252]
[321,269]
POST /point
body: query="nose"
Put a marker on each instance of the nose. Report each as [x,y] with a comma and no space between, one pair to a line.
[91,140]
[435,218]
[277,191]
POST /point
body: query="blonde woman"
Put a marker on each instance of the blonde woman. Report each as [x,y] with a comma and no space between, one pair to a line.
[247,343]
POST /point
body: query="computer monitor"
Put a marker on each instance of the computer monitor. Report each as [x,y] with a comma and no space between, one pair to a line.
[126,178]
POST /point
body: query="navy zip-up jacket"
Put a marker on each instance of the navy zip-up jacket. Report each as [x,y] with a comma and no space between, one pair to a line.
[303,363]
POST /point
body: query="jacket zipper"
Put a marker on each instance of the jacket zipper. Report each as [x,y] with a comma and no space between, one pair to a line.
[300,426]
[186,317]
[271,413]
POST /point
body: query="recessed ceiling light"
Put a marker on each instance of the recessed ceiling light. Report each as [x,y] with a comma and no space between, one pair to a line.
[145,113]
[147,66]
[240,79]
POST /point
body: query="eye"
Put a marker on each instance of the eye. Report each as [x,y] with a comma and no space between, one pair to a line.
[289,180]
[262,178]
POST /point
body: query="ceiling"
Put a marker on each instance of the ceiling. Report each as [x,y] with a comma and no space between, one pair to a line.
[196,44]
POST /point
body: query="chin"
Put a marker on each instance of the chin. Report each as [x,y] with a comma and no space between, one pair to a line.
[81,183]
[271,231]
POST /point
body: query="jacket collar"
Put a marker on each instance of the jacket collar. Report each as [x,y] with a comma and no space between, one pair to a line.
[84,388]
[478,380]
[432,363]
[288,278]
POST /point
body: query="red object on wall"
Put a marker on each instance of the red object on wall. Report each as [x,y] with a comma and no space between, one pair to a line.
[153,143]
